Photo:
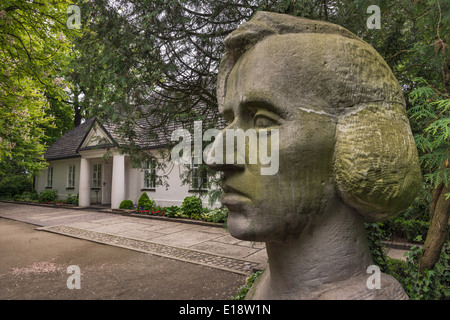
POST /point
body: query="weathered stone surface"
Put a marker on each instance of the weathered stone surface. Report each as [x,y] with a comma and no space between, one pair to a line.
[377,169]
[346,154]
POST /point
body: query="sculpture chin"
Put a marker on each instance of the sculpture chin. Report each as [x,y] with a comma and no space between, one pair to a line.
[240,222]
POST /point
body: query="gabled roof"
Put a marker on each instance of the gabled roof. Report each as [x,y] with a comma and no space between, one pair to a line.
[149,134]
[98,137]
[67,146]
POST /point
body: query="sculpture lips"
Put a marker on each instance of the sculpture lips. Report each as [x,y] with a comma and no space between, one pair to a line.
[228,189]
[233,197]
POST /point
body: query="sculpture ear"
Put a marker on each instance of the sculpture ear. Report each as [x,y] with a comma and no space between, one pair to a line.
[376,162]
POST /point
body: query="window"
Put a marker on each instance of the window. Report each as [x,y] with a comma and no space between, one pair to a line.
[150,174]
[199,176]
[97,176]
[49,177]
[71,177]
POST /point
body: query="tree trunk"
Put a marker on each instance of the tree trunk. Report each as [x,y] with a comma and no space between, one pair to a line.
[438,232]
[76,109]
[77,118]
[440,208]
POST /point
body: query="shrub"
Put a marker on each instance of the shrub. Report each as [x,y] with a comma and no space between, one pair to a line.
[407,229]
[216,215]
[26,195]
[126,204]
[192,207]
[144,202]
[180,214]
[6,196]
[70,199]
[15,184]
[431,284]
[172,211]
[29,196]
[34,195]
[48,196]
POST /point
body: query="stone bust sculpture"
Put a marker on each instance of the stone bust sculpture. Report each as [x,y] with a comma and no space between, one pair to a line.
[346,154]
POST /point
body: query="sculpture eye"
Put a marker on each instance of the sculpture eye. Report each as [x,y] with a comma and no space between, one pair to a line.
[262,120]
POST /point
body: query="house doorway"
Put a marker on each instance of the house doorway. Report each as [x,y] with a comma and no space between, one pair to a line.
[101,182]
[107,182]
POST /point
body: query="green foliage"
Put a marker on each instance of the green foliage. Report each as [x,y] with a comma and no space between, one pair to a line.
[374,237]
[172,211]
[215,215]
[180,214]
[27,196]
[48,196]
[242,290]
[145,203]
[126,204]
[30,195]
[431,112]
[431,284]
[71,199]
[410,230]
[192,207]
[35,48]
[13,184]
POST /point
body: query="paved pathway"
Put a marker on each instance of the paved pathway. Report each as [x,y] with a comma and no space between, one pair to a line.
[207,245]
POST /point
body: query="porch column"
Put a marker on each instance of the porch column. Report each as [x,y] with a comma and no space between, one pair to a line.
[118,181]
[84,192]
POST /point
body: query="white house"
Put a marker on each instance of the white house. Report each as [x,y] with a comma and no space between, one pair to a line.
[86,162]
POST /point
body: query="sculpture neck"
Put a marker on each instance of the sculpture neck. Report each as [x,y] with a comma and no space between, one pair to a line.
[331,248]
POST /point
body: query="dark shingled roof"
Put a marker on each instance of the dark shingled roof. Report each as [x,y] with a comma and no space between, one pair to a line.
[67,146]
[147,136]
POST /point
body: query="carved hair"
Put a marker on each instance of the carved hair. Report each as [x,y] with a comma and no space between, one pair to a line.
[375,162]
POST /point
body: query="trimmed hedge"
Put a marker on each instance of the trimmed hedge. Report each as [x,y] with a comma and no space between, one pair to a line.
[144,202]
[126,204]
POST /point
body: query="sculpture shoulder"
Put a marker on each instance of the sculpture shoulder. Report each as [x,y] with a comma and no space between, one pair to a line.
[356,289]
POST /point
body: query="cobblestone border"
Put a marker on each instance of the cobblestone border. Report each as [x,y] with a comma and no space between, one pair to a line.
[182,254]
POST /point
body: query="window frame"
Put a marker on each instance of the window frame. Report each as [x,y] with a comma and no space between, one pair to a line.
[150,174]
[201,182]
[49,177]
[71,169]
[96,176]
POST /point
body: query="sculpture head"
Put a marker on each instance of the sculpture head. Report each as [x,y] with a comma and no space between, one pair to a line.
[340,114]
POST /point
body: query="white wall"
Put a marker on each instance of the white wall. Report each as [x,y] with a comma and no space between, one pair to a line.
[134,181]
[173,195]
[60,174]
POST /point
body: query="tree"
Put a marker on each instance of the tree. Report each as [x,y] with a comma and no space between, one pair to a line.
[142,59]
[432,109]
[33,51]
[413,40]
[158,59]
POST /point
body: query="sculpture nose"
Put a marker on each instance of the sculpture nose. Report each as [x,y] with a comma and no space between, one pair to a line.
[217,157]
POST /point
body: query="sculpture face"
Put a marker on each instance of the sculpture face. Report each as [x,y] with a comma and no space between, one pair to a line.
[266,90]
[345,154]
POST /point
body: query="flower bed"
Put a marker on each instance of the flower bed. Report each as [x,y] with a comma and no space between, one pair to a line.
[190,209]
[151,212]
